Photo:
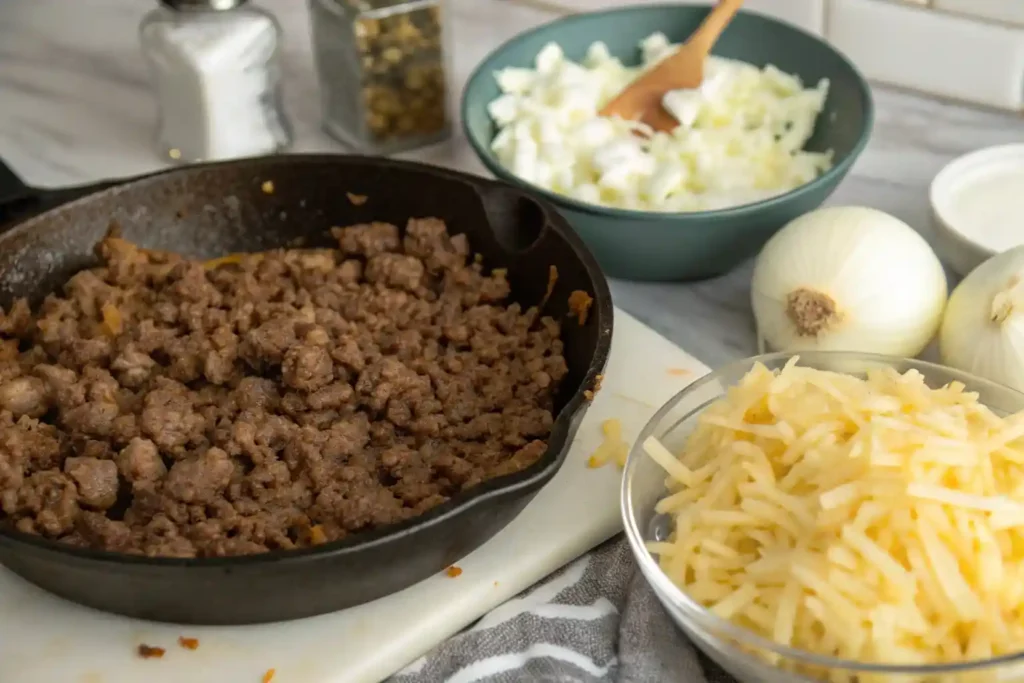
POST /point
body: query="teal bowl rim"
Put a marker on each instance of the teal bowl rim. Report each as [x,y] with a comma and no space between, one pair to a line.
[831,176]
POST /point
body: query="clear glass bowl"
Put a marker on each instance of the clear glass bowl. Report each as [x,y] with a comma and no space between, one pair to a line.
[747,656]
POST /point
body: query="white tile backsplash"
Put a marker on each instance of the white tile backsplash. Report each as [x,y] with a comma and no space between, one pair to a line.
[807,14]
[1011,11]
[931,51]
[969,50]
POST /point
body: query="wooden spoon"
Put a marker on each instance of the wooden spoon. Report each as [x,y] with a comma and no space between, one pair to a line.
[641,99]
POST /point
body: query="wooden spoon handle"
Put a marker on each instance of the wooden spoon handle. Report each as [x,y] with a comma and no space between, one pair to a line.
[714,23]
[658,119]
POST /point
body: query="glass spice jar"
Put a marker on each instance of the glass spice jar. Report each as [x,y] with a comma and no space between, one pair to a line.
[216,71]
[383,71]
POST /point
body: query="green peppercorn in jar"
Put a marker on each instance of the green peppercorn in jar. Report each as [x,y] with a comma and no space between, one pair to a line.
[383,71]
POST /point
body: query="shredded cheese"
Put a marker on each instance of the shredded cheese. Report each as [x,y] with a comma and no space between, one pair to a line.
[873,519]
[612,448]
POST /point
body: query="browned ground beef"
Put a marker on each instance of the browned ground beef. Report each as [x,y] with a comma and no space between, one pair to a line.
[270,401]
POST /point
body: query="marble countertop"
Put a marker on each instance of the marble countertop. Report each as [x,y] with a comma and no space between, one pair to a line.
[76,106]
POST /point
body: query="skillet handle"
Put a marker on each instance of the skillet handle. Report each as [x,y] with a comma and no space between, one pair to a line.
[19,202]
[517,220]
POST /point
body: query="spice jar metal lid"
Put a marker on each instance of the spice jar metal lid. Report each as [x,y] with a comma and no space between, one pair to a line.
[216,5]
[386,7]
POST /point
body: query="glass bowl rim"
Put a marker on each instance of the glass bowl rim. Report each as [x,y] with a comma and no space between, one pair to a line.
[707,621]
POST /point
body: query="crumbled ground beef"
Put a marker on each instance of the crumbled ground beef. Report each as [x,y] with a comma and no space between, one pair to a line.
[170,407]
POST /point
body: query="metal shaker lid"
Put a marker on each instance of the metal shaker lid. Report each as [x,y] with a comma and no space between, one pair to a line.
[215,5]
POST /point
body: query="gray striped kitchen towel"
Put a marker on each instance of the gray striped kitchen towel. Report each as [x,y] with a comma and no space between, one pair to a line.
[594,621]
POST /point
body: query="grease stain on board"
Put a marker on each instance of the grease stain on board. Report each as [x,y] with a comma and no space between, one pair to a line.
[631,399]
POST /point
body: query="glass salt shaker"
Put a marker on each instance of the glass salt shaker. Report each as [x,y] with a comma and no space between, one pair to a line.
[215,66]
[384,72]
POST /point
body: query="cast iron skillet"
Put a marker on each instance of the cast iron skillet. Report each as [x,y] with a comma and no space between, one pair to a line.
[211,210]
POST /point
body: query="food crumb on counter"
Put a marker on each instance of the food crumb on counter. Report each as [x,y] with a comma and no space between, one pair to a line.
[150,652]
[613,447]
[174,153]
[579,305]
[679,372]
[188,643]
[267,187]
[495,584]
[356,199]
[268,675]
[453,571]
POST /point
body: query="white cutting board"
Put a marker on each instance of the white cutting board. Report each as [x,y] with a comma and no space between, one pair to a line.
[44,639]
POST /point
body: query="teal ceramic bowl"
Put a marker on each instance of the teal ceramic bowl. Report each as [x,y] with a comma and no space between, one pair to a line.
[643,245]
